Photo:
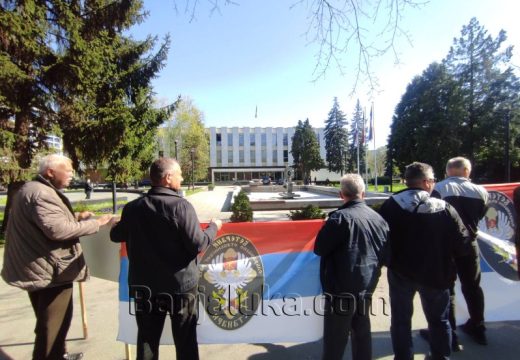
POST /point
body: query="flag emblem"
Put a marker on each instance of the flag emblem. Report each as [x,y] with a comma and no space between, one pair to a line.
[231,281]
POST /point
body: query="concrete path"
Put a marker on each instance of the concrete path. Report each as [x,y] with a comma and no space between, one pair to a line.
[17,319]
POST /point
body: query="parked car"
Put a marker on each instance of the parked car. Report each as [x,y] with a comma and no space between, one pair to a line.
[77,184]
[266,180]
[255,182]
[280,181]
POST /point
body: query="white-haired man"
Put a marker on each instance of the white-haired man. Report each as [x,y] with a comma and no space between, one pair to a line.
[352,246]
[43,254]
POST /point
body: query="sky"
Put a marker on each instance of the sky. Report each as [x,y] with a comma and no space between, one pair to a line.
[256,55]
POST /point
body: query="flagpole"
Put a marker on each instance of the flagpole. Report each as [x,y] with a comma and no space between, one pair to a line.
[374,137]
[366,152]
[357,141]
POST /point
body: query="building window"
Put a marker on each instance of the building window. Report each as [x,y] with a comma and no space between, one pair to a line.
[275,156]
[285,139]
[264,155]
[241,156]
[253,156]
[252,139]
[219,158]
[230,139]
[219,139]
[275,140]
[230,156]
[241,139]
[264,139]
[286,156]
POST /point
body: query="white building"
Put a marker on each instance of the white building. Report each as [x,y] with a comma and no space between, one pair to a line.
[55,143]
[244,153]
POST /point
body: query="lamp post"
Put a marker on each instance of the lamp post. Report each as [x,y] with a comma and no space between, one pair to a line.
[176,157]
[192,151]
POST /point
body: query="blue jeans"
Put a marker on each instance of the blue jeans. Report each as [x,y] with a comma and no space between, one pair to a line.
[435,304]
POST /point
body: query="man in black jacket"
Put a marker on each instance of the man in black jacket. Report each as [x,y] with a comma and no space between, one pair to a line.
[426,234]
[352,247]
[470,201]
[163,237]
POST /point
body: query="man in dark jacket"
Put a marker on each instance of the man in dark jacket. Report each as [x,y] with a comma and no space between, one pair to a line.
[352,248]
[426,234]
[470,201]
[163,238]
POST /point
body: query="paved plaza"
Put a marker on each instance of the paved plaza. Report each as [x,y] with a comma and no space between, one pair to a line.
[17,320]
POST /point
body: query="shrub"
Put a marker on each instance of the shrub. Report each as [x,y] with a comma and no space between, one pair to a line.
[241,208]
[211,187]
[309,212]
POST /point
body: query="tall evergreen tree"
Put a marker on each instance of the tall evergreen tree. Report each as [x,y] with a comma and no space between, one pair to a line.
[305,150]
[357,141]
[69,63]
[490,91]
[426,123]
[336,141]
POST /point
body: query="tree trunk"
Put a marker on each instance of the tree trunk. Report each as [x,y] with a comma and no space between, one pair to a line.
[12,189]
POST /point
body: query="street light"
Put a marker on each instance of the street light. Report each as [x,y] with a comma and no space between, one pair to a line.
[192,168]
[176,158]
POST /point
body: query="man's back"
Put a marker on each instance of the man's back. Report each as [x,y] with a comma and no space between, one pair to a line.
[467,198]
[163,238]
[425,235]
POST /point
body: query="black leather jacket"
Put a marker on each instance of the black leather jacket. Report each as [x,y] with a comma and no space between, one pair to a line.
[352,246]
[426,234]
[163,237]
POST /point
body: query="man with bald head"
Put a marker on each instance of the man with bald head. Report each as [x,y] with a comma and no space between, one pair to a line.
[43,254]
[163,238]
[470,201]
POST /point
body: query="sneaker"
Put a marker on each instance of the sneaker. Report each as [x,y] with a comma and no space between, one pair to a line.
[74,356]
[476,332]
[455,346]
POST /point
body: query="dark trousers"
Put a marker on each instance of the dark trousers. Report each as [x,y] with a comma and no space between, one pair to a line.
[344,316]
[468,271]
[435,304]
[53,310]
[182,309]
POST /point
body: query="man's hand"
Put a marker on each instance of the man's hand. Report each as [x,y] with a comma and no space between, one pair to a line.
[85,215]
[103,220]
[217,222]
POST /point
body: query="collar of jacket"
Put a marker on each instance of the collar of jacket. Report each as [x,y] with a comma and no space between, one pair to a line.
[63,198]
[352,203]
[161,190]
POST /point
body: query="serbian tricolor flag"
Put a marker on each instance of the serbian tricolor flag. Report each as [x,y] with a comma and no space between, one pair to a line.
[259,283]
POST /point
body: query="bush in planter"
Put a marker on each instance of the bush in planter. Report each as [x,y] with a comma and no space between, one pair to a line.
[309,212]
[241,208]
[211,187]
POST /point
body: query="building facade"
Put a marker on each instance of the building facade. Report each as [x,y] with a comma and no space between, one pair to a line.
[246,153]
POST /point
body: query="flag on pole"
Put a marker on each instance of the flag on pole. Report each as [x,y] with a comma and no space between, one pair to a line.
[371,125]
[362,137]
[256,111]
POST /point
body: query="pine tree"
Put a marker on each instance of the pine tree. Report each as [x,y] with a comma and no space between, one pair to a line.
[305,150]
[356,140]
[490,92]
[336,139]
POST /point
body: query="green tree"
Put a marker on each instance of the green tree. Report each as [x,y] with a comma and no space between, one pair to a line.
[305,150]
[426,123]
[490,91]
[336,139]
[188,129]
[357,141]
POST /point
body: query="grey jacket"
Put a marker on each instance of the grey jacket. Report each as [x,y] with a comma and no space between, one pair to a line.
[42,239]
